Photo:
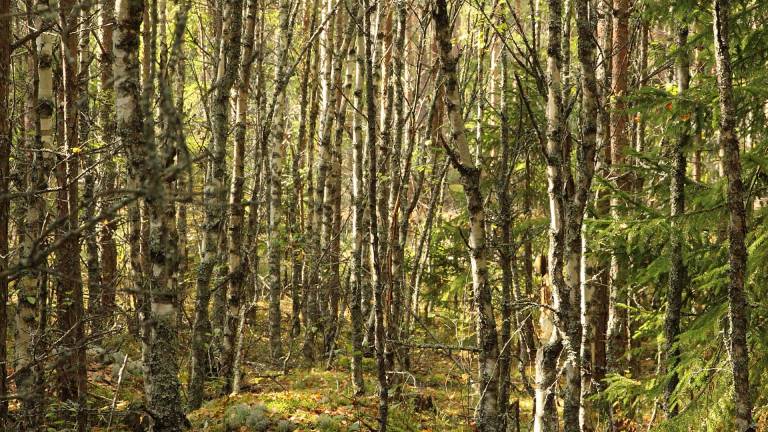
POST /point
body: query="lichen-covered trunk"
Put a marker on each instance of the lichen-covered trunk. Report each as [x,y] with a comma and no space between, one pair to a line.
[397,196]
[677,270]
[528,348]
[214,192]
[256,206]
[295,200]
[274,231]
[106,115]
[147,166]
[487,412]
[29,320]
[546,357]
[332,208]
[505,248]
[5,151]
[579,321]
[147,98]
[318,238]
[310,265]
[545,415]
[182,187]
[738,312]
[382,60]
[165,397]
[235,260]
[128,117]
[276,144]
[92,262]
[296,205]
[358,201]
[373,228]
[39,108]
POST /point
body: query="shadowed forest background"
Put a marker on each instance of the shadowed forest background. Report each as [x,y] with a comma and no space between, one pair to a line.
[371,215]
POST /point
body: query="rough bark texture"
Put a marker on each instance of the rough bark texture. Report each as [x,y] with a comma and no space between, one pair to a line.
[92,261]
[617,312]
[275,243]
[545,415]
[332,208]
[127,111]
[312,266]
[737,226]
[546,358]
[582,308]
[505,247]
[214,193]
[72,377]
[276,150]
[600,299]
[373,229]
[29,321]
[382,61]
[165,398]
[296,208]
[237,270]
[147,165]
[322,205]
[358,200]
[559,262]
[5,150]
[487,413]
[528,348]
[677,271]
[568,191]
[128,116]
[398,196]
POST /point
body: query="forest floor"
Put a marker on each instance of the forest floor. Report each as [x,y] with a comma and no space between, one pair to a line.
[322,400]
[435,395]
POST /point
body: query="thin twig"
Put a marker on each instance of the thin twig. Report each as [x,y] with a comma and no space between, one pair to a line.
[117,392]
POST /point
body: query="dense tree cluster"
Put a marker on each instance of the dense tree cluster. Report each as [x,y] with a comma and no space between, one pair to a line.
[577,188]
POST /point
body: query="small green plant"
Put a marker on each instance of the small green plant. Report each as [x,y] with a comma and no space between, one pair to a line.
[253,417]
[326,423]
[258,421]
[286,426]
[235,416]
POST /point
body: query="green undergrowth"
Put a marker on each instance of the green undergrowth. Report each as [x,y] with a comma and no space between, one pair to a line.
[322,400]
[434,395]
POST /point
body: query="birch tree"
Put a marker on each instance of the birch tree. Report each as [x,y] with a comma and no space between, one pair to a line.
[161,360]
[357,49]
[33,282]
[237,269]
[215,191]
[276,149]
[487,414]
[373,230]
